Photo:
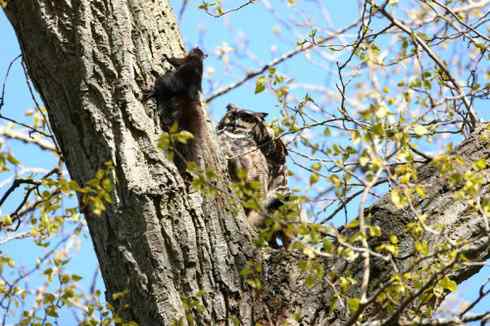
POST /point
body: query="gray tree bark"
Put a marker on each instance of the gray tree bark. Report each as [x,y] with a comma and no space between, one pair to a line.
[160,241]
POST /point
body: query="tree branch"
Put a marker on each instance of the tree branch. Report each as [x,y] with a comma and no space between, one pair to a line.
[275,62]
[474,120]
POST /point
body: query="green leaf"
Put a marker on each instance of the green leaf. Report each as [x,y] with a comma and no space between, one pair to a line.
[51,311]
[448,284]
[422,247]
[76,277]
[353,224]
[184,136]
[12,159]
[316,166]
[260,84]
[353,304]
[314,178]
[6,220]
[420,130]
[397,198]
[49,274]
[49,298]
[65,278]
[480,164]
[374,230]
[204,6]
[394,239]
[335,180]
[392,249]
[174,128]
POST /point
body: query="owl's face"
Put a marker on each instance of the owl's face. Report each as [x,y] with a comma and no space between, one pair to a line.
[240,119]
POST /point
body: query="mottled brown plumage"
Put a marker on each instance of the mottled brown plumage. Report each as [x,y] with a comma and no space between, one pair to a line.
[251,147]
[254,155]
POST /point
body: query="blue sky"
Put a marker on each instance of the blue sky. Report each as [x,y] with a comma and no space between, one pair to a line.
[252,30]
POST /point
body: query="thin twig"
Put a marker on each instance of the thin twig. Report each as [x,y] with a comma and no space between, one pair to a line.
[20,235]
[2,98]
[275,62]
[182,9]
[38,107]
[438,61]
[243,5]
[25,126]
[43,144]
[404,304]
[455,15]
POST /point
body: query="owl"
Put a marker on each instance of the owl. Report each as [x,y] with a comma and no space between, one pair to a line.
[255,156]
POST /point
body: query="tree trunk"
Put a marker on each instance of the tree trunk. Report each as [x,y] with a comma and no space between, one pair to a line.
[160,243]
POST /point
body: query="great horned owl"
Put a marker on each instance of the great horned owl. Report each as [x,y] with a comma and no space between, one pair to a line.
[252,150]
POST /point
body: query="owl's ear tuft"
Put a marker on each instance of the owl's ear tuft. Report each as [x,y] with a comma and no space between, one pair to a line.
[261,115]
[231,108]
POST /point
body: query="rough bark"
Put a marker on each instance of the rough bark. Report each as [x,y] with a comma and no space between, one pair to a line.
[454,223]
[159,240]
[90,61]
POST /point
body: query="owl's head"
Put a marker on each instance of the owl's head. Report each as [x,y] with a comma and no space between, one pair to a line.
[241,120]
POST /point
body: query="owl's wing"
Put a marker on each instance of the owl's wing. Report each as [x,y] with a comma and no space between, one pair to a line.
[280,151]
